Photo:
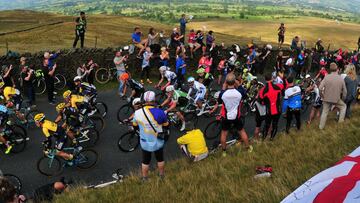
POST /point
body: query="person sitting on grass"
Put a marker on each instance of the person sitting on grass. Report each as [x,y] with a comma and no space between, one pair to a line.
[193,145]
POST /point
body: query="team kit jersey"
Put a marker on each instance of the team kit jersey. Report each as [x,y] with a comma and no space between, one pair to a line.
[293,97]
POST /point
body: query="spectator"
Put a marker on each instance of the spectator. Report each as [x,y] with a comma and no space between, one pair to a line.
[22,63]
[136,40]
[230,113]
[332,90]
[46,192]
[359,44]
[205,62]
[193,145]
[49,68]
[152,37]
[164,57]
[281,34]
[8,192]
[7,76]
[176,41]
[270,96]
[80,29]
[292,100]
[90,66]
[289,66]
[316,107]
[210,41]
[27,76]
[120,69]
[263,59]
[319,47]
[183,22]
[192,43]
[146,66]
[180,68]
[200,40]
[82,72]
[152,123]
[294,45]
[351,87]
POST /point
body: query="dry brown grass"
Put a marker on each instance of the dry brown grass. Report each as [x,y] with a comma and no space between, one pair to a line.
[294,158]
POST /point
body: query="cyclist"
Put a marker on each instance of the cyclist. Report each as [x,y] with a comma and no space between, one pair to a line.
[13,99]
[169,75]
[71,120]
[51,131]
[172,101]
[76,101]
[204,77]
[87,90]
[292,99]
[137,89]
[3,119]
[200,91]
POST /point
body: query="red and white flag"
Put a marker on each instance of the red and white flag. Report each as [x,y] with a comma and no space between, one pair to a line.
[340,183]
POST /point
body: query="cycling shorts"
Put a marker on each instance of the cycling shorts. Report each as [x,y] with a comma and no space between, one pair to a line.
[227,125]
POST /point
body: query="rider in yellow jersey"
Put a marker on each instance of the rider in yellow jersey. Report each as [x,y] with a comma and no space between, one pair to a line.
[76,101]
[52,130]
[13,99]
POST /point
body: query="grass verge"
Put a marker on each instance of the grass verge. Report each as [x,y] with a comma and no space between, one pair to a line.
[294,158]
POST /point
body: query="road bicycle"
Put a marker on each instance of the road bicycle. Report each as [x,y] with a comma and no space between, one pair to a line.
[39,82]
[28,113]
[95,121]
[87,136]
[13,179]
[105,75]
[16,139]
[213,129]
[130,140]
[117,176]
[51,165]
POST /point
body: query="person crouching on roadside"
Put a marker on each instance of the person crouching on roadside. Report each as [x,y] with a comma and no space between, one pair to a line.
[193,145]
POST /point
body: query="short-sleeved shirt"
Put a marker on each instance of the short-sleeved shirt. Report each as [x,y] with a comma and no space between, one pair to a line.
[49,128]
[177,94]
[148,137]
[293,97]
[120,66]
[231,100]
[170,76]
[145,62]
[75,99]
[136,37]
[192,38]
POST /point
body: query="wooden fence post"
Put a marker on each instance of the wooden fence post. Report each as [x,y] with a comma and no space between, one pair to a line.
[95,41]
[7,47]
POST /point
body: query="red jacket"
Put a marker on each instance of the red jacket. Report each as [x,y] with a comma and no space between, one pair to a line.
[271,95]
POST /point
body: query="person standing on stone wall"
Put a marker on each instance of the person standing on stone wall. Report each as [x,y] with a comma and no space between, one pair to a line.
[80,29]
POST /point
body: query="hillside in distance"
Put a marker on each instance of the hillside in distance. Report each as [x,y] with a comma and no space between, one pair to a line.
[340,5]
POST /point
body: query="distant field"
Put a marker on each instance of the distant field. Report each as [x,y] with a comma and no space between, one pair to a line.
[310,29]
[113,31]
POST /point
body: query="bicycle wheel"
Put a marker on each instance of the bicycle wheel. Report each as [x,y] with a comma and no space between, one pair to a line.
[49,167]
[19,129]
[15,181]
[92,136]
[129,141]
[101,108]
[40,86]
[97,122]
[102,75]
[30,118]
[191,117]
[125,112]
[86,159]
[213,130]
[59,82]
[245,109]
[160,98]
[18,141]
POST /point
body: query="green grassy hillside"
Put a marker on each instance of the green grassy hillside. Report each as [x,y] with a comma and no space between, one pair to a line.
[294,158]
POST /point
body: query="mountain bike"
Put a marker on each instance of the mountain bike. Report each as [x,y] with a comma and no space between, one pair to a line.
[16,139]
[40,84]
[51,165]
[13,179]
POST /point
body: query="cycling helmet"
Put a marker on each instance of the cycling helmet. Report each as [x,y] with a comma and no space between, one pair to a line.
[2,84]
[77,79]
[322,62]
[3,109]
[170,88]
[39,117]
[245,70]
[163,69]
[307,76]
[200,70]
[136,101]
[66,94]
[60,107]
[190,79]
[269,47]
[237,63]
[124,76]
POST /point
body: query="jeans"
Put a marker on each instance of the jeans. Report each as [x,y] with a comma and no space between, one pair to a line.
[271,120]
[325,111]
[30,93]
[348,108]
[290,113]
[145,71]
[121,83]
[50,88]
[82,39]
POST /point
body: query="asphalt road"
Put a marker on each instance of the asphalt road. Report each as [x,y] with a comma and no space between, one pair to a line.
[111,158]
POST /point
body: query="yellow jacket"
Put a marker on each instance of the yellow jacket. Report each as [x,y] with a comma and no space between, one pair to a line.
[195,142]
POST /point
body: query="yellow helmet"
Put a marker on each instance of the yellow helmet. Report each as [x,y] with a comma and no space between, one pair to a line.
[60,107]
[2,84]
[39,117]
[66,94]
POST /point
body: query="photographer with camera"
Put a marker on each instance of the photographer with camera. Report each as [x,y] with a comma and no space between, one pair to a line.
[27,77]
